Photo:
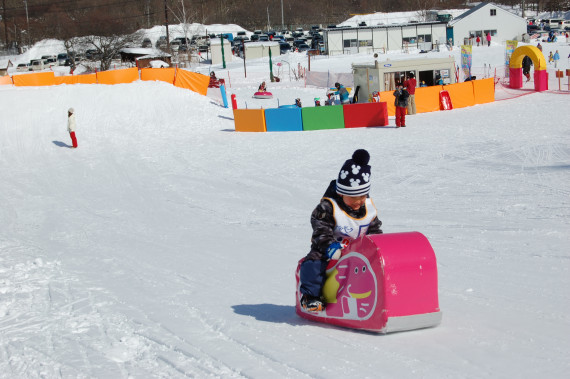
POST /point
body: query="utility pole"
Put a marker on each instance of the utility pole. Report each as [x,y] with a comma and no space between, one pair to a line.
[5,23]
[166,23]
[27,21]
[282,22]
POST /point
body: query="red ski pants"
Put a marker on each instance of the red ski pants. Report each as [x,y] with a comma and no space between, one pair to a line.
[73,139]
[400,116]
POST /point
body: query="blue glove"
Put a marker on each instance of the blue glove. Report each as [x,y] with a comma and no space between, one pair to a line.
[334,250]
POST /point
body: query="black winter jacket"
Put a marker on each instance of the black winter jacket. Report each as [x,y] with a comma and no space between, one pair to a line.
[401,98]
[323,223]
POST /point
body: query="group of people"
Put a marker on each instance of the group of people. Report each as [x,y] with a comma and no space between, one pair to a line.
[479,40]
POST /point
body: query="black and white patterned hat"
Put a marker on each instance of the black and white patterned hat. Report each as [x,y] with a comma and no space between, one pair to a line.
[354,176]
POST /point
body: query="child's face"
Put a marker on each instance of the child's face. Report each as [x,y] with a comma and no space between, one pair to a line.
[354,202]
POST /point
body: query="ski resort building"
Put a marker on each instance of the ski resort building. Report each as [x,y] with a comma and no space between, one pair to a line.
[486,18]
[371,39]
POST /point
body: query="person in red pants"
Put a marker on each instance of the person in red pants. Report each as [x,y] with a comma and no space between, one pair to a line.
[71,126]
[401,103]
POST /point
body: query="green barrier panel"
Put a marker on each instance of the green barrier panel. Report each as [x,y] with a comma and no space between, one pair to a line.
[324,117]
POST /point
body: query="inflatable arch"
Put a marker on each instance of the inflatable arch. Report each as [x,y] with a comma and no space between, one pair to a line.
[381,283]
[539,62]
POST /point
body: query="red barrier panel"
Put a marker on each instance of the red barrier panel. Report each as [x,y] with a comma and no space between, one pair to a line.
[365,115]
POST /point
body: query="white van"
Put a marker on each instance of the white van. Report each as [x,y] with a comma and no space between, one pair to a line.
[37,64]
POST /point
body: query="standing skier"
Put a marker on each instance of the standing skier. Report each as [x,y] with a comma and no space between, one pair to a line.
[71,126]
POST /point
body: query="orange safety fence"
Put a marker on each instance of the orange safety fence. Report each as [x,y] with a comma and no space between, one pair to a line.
[127,75]
[427,99]
[192,81]
[461,94]
[76,79]
[5,80]
[484,91]
[388,97]
[162,74]
[37,79]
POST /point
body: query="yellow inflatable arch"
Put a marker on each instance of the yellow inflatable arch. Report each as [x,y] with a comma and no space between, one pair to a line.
[533,53]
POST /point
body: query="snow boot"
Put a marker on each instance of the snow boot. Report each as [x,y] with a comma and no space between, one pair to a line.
[312,304]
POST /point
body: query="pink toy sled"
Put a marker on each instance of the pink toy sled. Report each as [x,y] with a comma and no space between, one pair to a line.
[263,95]
[382,283]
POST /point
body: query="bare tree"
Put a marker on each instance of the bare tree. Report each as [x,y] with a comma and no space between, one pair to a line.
[108,47]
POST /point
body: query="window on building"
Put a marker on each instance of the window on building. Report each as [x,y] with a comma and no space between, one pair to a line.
[493,12]
[424,38]
[350,43]
[493,32]
[364,43]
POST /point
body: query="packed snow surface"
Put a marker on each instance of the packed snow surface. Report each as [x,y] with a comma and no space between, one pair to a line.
[166,244]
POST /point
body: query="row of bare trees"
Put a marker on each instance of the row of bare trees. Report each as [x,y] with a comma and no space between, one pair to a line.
[24,22]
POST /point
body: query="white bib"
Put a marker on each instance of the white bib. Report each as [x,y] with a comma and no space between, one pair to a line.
[348,228]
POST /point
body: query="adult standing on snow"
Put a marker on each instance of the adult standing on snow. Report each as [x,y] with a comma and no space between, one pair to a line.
[556,58]
[410,86]
[526,63]
[489,39]
[71,124]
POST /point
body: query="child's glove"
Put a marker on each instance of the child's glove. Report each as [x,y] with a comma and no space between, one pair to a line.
[334,250]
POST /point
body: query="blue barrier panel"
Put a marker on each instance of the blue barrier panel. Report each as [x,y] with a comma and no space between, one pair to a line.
[283,119]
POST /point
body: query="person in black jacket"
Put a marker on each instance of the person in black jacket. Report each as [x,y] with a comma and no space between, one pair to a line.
[345,212]
[526,63]
[401,103]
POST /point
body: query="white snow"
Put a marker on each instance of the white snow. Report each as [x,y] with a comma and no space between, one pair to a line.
[166,244]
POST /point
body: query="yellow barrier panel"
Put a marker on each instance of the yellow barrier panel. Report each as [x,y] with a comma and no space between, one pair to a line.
[484,91]
[162,74]
[5,80]
[427,99]
[127,75]
[249,120]
[37,79]
[76,79]
[461,94]
[192,81]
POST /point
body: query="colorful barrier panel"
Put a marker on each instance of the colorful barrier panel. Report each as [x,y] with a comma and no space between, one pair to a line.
[192,81]
[388,97]
[161,74]
[6,79]
[365,115]
[324,117]
[76,79]
[249,120]
[283,120]
[127,75]
[427,99]
[381,283]
[37,79]
[484,91]
[461,94]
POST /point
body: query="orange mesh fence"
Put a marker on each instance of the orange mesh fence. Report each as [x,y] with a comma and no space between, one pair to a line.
[5,80]
[461,94]
[127,75]
[192,81]
[484,91]
[162,74]
[38,79]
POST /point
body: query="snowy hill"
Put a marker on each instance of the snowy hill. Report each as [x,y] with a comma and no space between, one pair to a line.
[166,244]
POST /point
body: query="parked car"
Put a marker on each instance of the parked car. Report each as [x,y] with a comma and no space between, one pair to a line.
[62,58]
[37,64]
[303,47]
[284,47]
[146,43]
[24,67]
[254,37]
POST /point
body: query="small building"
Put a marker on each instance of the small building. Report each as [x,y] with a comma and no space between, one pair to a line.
[4,68]
[370,39]
[382,76]
[255,50]
[486,18]
[216,50]
[142,57]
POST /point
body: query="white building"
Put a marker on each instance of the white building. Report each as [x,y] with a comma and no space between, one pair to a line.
[254,50]
[216,51]
[486,18]
[371,39]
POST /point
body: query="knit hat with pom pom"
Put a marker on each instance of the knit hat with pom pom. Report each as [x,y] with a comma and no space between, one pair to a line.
[354,176]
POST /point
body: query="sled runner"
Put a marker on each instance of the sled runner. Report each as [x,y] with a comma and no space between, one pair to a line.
[381,283]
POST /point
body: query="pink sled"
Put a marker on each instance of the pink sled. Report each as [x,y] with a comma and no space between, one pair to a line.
[382,283]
